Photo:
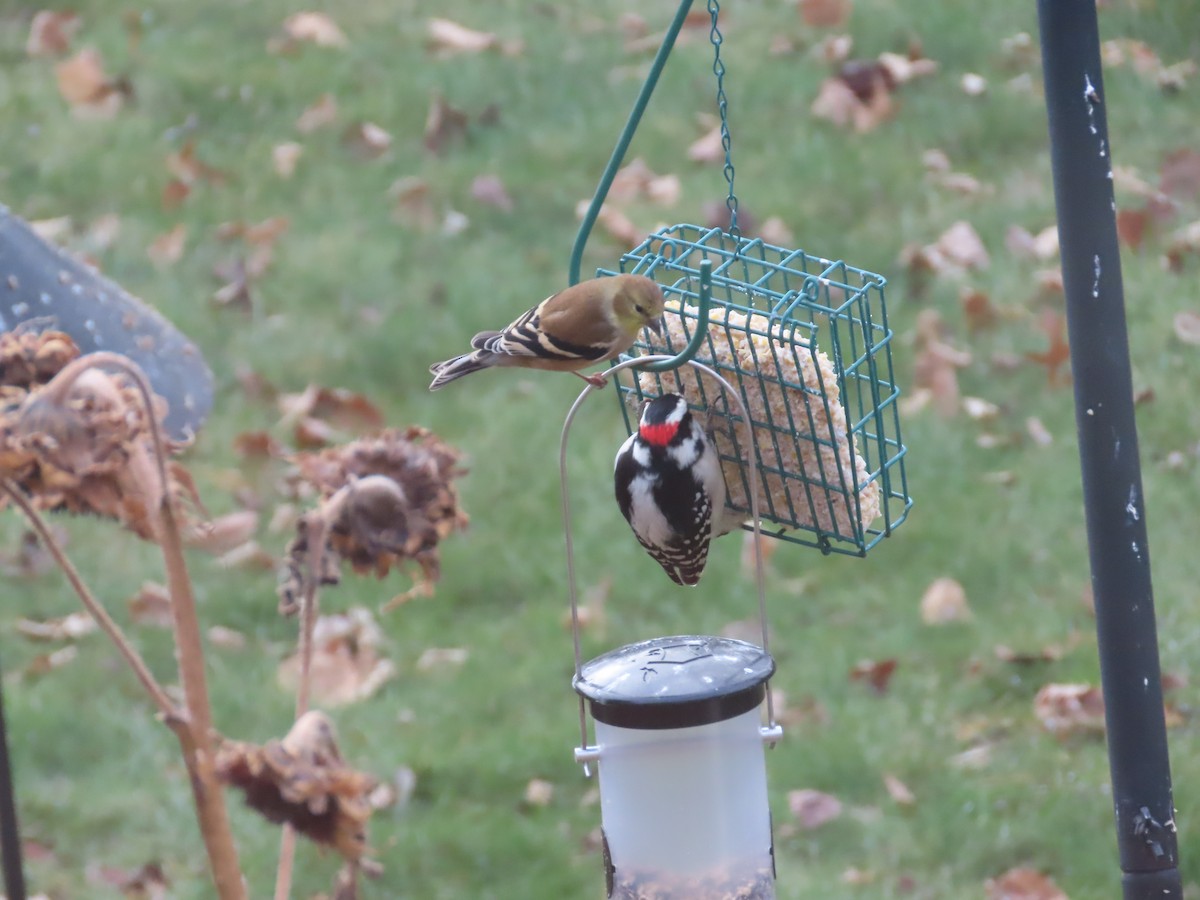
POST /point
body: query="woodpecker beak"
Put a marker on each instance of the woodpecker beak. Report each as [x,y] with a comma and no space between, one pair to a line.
[657,326]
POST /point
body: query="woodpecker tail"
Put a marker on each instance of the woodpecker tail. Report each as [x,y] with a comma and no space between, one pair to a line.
[448,370]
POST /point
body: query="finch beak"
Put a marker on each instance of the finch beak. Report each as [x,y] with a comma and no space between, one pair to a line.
[656,326]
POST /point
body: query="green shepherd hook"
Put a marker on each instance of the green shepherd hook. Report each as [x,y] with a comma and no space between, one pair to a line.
[701,330]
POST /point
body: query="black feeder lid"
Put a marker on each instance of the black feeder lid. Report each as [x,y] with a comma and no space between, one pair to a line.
[43,288]
[675,682]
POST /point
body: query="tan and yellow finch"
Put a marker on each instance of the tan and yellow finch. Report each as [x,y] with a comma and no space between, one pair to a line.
[590,322]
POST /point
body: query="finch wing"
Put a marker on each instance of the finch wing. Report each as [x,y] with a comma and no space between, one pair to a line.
[526,338]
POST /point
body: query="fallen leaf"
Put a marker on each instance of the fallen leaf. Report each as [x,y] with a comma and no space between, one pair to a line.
[903,69]
[147,881]
[174,192]
[314,28]
[444,125]
[346,663]
[538,792]
[83,83]
[1184,241]
[1070,708]
[188,168]
[973,85]
[257,445]
[960,247]
[1049,653]
[226,638]
[50,33]
[812,808]
[367,140]
[1038,432]
[284,157]
[824,13]
[321,113]
[342,408]
[857,877]
[1131,226]
[30,558]
[70,627]
[590,608]
[943,602]
[45,663]
[1179,175]
[434,658]
[151,605]
[859,101]
[1187,327]
[614,222]
[877,674]
[447,38]
[249,555]
[235,292]
[412,204]
[1053,325]
[937,363]
[490,191]
[977,309]
[898,790]
[167,249]
[980,410]
[1023,884]
[775,231]
[223,533]
[709,148]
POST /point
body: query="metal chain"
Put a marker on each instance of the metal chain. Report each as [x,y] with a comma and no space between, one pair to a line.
[731,202]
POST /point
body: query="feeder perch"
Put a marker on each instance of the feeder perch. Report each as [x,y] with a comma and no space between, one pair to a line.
[683,779]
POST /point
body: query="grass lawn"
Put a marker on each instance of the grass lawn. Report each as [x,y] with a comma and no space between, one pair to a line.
[362,298]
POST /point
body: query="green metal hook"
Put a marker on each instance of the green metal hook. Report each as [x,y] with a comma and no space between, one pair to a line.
[701,330]
[618,154]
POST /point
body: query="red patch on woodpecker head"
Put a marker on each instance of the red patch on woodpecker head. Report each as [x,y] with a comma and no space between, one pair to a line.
[658,434]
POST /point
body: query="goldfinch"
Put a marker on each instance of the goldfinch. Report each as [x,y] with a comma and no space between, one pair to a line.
[590,322]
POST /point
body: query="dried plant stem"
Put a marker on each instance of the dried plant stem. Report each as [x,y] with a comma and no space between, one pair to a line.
[318,529]
[170,712]
[197,744]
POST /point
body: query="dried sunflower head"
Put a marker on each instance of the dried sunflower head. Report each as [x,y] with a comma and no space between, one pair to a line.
[386,500]
[77,438]
[302,780]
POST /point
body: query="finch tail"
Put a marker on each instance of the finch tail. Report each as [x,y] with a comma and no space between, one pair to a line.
[452,369]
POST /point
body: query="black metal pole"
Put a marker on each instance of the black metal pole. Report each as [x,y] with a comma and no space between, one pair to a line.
[1108,450]
[10,838]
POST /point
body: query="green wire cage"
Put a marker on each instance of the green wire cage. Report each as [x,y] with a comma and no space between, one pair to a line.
[805,341]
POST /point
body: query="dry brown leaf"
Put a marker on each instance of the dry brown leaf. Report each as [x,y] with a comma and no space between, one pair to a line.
[223,533]
[775,231]
[412,204]
[959,248]
[83,83]
[614,222]
[812,808]
[447,38]
[1038,432]
[285,157]
[1131,226]
[444,125]
[1184,241]
[943,602]
[1070,708]
[1054,326]
[441,658]
[1023,884]
[824,13]
[226,638]
[314,28]
[187,167]
[367,140]
[321,113]
[151,605]
[45,663]
[903,69]
[174,192]
[70,627]
[980,410]
[590,609]
[977,309]
[50,33]
[346,664]
[249,555]
[257,445]
[1187,327]
[1049,653]
[898,790]
[708,148]
[148,881]
[539,792]
[341,408]
[876,673]
[839,102]
[167,249]
[490,191]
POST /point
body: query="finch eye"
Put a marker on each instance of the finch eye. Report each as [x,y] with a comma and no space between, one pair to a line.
[639,309]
